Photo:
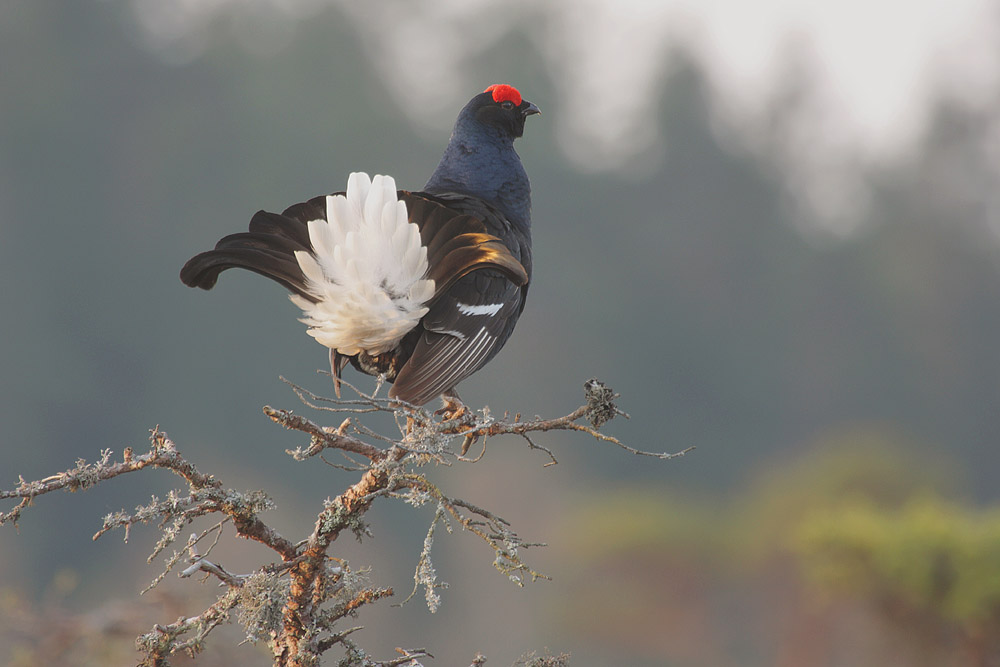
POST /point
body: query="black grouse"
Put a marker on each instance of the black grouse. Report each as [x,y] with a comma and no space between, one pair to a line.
[423,288]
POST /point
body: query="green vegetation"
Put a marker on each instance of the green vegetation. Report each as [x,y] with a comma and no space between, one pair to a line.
[931,555]
[859,531]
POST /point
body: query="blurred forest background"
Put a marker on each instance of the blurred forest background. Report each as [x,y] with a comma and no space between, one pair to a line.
[810,299]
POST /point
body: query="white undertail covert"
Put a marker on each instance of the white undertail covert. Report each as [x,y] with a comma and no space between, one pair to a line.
[367,270]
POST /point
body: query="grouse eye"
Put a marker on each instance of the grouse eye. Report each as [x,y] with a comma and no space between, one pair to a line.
[507,104]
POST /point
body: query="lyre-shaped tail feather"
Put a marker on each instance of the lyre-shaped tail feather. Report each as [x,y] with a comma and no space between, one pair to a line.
[268,249]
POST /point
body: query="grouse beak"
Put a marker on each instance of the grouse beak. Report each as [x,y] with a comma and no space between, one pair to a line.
[530,110]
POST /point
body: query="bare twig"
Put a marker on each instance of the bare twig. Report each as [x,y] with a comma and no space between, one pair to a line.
[323,438]
[207,566]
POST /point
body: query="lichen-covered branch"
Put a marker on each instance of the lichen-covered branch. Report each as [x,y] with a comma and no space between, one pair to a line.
[489,527]
[599,409]
[298,602]
[429,436]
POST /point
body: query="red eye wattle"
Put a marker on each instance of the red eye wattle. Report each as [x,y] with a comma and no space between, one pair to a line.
[504,93]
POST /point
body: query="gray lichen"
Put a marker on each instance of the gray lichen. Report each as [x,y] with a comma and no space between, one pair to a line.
[260,601]
[601,406]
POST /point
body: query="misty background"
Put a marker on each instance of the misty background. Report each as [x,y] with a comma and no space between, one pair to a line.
[775,230]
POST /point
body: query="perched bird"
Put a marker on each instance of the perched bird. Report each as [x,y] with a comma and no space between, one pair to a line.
[422,288]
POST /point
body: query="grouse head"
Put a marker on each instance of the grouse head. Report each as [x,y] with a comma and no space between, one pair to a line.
[500,108]
[480,159]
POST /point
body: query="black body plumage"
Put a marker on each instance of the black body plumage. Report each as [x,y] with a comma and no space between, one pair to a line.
[474,221]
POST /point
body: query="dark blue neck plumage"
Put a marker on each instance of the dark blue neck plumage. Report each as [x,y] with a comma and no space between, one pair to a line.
[480,160]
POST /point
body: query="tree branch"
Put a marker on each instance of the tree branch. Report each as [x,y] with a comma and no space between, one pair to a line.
[296,603]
